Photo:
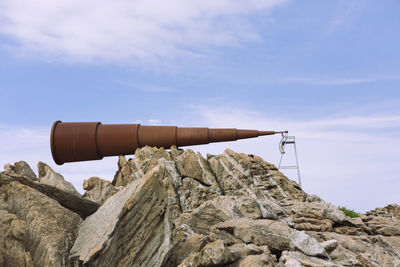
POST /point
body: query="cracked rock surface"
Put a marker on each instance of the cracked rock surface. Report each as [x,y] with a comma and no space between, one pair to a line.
[176,208]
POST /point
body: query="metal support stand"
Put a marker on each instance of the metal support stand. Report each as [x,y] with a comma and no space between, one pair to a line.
[289,140]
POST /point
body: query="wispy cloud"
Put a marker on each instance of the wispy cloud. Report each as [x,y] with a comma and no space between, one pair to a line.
[150,88]
[125,30]
[344,14]
[335,80]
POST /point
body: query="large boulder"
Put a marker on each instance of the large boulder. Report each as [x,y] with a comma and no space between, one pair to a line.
[41,230]
[131,227]
[63,193]
[98,190]
[50,177]
[13,241]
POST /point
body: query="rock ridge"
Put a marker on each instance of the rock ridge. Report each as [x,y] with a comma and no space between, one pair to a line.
[176,208]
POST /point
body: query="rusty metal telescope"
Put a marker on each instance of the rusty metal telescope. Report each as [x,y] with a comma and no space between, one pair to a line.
[81,141]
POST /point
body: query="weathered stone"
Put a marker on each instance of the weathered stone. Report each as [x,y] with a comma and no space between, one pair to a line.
[320,216]
[383,225]
[298,259]
[50,177]
[98,190]
[384,250]
[261,260]
[184,241]
[51,228]
[132,226]
[83,207]
[13,237]
[196,167]
[8,167]
[306,244]
[235,180]
[330,245]
[20,168]
[213,254]
[177,207]
[218,254]
[211,212]
[392,210]
[197,193]
[259,232]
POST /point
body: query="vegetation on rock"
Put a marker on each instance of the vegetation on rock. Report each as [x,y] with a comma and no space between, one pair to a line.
[349,213]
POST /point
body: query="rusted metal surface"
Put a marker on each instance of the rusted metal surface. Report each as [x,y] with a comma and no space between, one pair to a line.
[81,141]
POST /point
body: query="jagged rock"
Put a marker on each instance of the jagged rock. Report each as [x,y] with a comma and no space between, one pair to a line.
[132,226]
[392,210]
[50,177]
[383,225]
[349,249]
[306,244]
[13,240]
[98,190]
[20,168]
[184,242]
[76,203]
[49,229]
[318,216]
[195,166]
[261,260]
[330,245]
[261,232]
[211,212]
[8,167]
[176,207]
[298,259]
[213,254]
[218,254]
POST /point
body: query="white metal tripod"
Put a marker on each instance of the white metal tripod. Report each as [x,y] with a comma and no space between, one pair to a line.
[289,140]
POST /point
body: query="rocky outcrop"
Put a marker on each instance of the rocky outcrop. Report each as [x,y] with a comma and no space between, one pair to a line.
[177,208]
[20,168]
[131,227]
[72,201]
[98,190]
[41,230]
[50,177]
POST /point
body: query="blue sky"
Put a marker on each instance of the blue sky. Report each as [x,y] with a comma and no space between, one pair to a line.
[328,71]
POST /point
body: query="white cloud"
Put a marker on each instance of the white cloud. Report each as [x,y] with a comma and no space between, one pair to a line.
[127,30]
[335,80]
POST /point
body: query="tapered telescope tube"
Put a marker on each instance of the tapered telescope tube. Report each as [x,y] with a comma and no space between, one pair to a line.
[81,141]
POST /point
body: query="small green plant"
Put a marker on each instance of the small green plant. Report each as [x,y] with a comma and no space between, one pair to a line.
[349,213]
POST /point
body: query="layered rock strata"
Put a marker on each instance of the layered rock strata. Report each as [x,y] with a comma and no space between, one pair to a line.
[177,208]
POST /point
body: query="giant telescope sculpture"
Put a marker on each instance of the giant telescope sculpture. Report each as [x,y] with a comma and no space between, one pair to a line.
[81,141]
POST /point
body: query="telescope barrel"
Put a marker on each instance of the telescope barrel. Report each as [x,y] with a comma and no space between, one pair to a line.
[81,141]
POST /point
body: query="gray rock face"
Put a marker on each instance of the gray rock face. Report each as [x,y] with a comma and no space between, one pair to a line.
[41,230]
[50,177]
[74,202]
[131,227]
[13,239]
[176,208]
[20,168]
[306,244]
[98,190]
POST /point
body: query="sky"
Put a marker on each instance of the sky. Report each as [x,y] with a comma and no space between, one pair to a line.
[326,71]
